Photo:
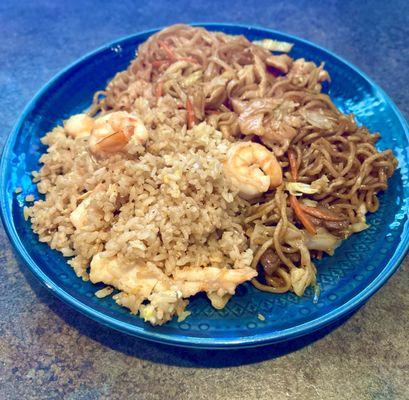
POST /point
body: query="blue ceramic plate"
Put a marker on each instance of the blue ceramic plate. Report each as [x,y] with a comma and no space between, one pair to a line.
[360,266]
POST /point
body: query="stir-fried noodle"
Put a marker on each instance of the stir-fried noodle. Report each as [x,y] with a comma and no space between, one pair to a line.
[332,171]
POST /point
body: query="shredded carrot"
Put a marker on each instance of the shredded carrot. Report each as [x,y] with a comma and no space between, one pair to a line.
[321,213]
[159,89]
[293,164]
[189,112]
[295,204]
[166,49]
[159,63]
[304,218]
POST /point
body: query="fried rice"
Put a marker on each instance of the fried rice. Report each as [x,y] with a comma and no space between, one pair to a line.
[156,229]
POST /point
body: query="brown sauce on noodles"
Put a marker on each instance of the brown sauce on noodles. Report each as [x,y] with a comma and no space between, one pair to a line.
[249,94]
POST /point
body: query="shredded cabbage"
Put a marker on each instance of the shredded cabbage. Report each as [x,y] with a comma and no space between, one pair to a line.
[321,184]
[361,213]
[298,188]
[192,79]
[310,203]
[317,292]
[358,227]
[175,67]
[362,209]
[318,120]
[274,45]
[361,225]
[301,278]
[322,240]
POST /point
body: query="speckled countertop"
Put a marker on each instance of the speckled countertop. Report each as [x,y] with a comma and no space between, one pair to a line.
[48,351]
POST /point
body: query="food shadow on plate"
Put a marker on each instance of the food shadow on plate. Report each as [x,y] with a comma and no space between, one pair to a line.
[166,354]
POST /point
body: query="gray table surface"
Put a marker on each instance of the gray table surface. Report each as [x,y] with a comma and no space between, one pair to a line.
[48,350]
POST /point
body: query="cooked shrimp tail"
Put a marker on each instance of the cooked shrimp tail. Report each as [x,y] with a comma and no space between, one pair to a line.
[112,132]
[252,169]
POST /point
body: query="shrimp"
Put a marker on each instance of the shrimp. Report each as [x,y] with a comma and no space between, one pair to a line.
[140,282]
[136,279]
[112,132]
[142,278]
[252,169]
[79,125]
[222,281]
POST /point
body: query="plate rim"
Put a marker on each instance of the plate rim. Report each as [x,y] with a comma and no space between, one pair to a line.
[185,340]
